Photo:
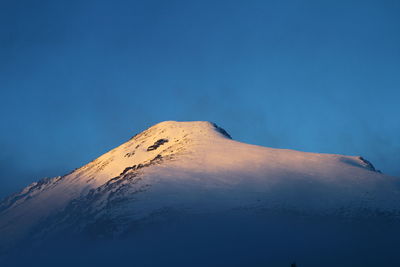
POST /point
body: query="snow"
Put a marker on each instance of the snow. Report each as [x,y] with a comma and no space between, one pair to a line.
[196,167]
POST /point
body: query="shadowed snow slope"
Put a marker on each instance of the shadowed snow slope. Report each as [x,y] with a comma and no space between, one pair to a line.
[194,168]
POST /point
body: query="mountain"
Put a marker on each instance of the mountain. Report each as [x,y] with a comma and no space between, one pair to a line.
[191,170]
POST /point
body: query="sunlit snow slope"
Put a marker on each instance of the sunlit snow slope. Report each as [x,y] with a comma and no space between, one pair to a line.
[194,167]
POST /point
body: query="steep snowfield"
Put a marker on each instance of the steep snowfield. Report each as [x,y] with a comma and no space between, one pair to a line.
[194,168]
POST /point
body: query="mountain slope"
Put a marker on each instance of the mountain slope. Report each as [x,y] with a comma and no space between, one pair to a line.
[193,168]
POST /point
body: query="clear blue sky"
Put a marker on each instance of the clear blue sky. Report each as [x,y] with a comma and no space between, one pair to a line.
[78,78]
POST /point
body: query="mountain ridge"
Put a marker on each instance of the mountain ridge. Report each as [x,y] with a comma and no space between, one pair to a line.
[196,167]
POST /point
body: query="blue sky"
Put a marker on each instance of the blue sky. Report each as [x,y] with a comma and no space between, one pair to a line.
[78,78]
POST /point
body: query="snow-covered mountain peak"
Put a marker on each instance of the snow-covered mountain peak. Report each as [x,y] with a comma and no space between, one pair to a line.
[195,166]
[179,130]
[165,139]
